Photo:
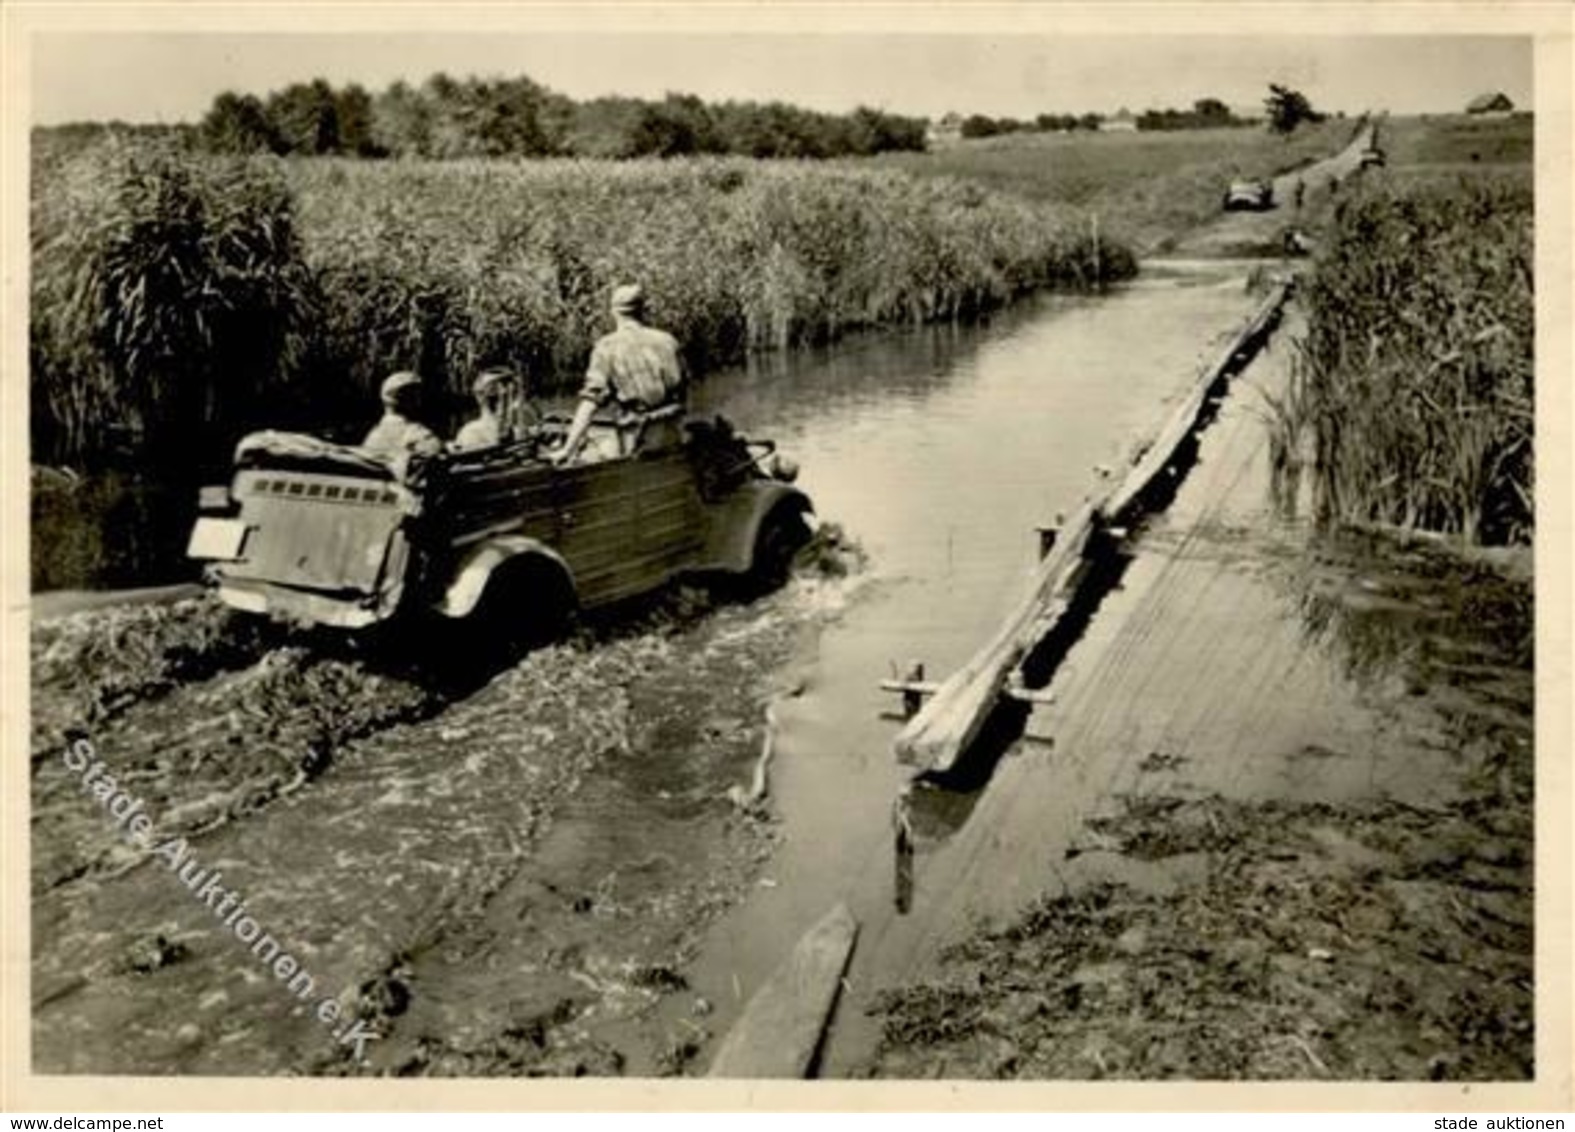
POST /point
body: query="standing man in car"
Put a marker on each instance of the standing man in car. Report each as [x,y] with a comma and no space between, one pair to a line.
[636,366]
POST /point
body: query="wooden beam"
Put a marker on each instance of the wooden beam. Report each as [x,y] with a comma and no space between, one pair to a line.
[930,687]
[951,718]
[782,1025]
[1158,455]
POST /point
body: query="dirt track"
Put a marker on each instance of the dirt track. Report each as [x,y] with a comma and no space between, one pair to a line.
[375,821]
[1262,233]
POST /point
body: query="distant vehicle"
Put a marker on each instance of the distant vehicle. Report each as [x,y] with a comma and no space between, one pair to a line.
[1370,157]
[499,539]
[1250,196]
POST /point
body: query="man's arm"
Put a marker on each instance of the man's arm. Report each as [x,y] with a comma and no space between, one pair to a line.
[577,430]
[596,391]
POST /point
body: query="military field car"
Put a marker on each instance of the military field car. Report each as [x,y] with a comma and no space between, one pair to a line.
[1249,195]
[498,539]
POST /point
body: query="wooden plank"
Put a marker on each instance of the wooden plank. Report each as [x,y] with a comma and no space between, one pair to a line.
[1185,417]
[950,720]
[930,687]
[781,1026]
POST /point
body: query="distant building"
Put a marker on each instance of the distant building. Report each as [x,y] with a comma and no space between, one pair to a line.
[944,131]
[1121,122]
[1496,102]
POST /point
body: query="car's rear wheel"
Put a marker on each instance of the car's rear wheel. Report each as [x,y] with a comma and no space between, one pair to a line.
[527,603]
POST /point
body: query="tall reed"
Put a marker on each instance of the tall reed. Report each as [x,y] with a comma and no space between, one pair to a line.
[1415,379]
[168,297]
[177,296]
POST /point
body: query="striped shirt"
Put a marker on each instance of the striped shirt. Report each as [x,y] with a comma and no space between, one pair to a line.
[637,366]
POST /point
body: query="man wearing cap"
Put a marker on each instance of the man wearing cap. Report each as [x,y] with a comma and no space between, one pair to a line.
[491,390]
[636,366]
[399,435]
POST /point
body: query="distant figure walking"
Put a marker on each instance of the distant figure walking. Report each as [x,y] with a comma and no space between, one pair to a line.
[635,366]
[1301,193]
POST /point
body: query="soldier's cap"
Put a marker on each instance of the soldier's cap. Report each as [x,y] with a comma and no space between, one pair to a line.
[628,298]
[397,383]
[489,379]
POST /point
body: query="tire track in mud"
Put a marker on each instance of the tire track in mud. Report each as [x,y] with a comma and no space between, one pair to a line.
[371,823]
[180,724]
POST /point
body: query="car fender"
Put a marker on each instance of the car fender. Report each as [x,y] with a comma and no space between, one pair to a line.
[470,577]
[736,520]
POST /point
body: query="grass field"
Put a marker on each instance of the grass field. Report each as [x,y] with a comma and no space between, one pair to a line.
[1415,388]
[1147,188]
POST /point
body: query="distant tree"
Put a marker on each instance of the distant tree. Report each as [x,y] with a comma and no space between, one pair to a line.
[238,123]
[353,111]
[871,131]
[602,127]
[449,132]
[306,117]
[402,122]
[1212,112]
[514,118]
[983,126]
[680,124]
[1288,109]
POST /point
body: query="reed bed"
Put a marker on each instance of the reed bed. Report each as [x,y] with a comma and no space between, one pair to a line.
[167,300]
[1413,389]
[180,300]
[448,266]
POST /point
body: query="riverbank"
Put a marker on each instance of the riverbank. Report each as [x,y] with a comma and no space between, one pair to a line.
[1282,828]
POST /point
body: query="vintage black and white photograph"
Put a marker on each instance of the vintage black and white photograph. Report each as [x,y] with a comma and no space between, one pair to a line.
[872,554]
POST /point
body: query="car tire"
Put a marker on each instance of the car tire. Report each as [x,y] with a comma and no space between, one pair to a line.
[782,534]
[528,603]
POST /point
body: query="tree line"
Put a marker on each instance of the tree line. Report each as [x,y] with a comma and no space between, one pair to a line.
[1205,113]
[445,117]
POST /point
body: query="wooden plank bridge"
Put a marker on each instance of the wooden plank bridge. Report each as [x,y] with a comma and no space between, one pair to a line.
[949,715]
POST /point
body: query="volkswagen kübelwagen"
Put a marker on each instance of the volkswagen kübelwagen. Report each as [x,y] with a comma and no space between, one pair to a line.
[500,538]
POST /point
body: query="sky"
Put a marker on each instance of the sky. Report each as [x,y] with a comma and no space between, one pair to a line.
[173,76]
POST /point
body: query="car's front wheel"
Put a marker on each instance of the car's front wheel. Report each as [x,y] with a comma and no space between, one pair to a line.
[782,534]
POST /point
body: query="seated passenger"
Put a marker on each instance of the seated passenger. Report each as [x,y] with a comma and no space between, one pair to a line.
[489,428]
[399,435]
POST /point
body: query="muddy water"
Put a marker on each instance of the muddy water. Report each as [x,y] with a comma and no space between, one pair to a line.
[941,452]
[552,853]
